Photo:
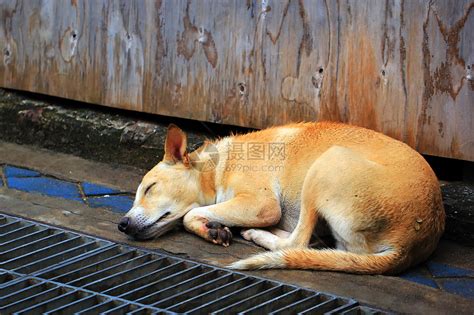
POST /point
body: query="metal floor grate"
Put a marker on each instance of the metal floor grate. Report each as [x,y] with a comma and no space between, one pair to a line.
[50,270]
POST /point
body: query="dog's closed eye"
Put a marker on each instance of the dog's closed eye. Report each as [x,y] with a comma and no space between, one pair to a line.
[148,188]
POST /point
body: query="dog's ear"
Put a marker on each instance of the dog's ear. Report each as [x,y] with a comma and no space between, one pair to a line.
[175,146]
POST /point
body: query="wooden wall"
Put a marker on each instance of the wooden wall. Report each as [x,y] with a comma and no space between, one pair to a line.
[400,67]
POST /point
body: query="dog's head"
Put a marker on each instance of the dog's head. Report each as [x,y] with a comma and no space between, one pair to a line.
[166,193]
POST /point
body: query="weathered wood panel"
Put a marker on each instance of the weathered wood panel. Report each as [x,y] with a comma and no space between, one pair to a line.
[400,67]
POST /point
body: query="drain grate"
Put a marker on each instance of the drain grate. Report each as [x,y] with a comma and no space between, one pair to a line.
[49,270]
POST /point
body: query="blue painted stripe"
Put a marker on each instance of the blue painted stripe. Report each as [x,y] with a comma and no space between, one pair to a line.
[11,171]
[419,275]
[421,280]
[91,189]
[116,203]
[443,271]
[463,287]
[47,186]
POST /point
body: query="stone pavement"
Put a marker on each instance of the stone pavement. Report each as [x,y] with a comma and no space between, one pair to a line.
[90,197]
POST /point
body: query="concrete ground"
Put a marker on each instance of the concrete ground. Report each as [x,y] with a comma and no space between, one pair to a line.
[90,197]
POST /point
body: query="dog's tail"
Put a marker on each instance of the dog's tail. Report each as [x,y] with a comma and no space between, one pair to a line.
[326,259]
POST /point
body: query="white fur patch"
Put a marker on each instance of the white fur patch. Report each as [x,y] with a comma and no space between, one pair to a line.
[277,188]
[138,216]
[223,147]
[203,212]
[284,133]
[162,166]
[224,194]
[260,261]
[138,195]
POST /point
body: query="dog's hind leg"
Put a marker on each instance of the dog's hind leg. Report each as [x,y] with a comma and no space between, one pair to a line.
[330,190]
[301,235]
[279,232]
[325,192]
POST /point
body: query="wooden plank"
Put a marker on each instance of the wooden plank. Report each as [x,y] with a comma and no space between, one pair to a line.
[400,67]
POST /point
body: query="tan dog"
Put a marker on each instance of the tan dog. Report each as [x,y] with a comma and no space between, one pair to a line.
[379,197]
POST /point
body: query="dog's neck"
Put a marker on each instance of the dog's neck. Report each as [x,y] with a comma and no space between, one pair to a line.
[207,195]
[211,179]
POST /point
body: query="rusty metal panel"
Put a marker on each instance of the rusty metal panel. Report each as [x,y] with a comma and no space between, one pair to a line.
[400,67]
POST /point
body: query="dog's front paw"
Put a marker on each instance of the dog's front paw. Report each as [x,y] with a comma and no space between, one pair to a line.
[219,234]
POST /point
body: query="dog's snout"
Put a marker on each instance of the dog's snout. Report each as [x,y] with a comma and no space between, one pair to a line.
[124,225]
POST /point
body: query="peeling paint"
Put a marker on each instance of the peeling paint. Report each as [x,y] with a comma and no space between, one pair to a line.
[186,43]
[68,44]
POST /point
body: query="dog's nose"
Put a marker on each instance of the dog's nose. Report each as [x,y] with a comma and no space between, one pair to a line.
[124,225]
